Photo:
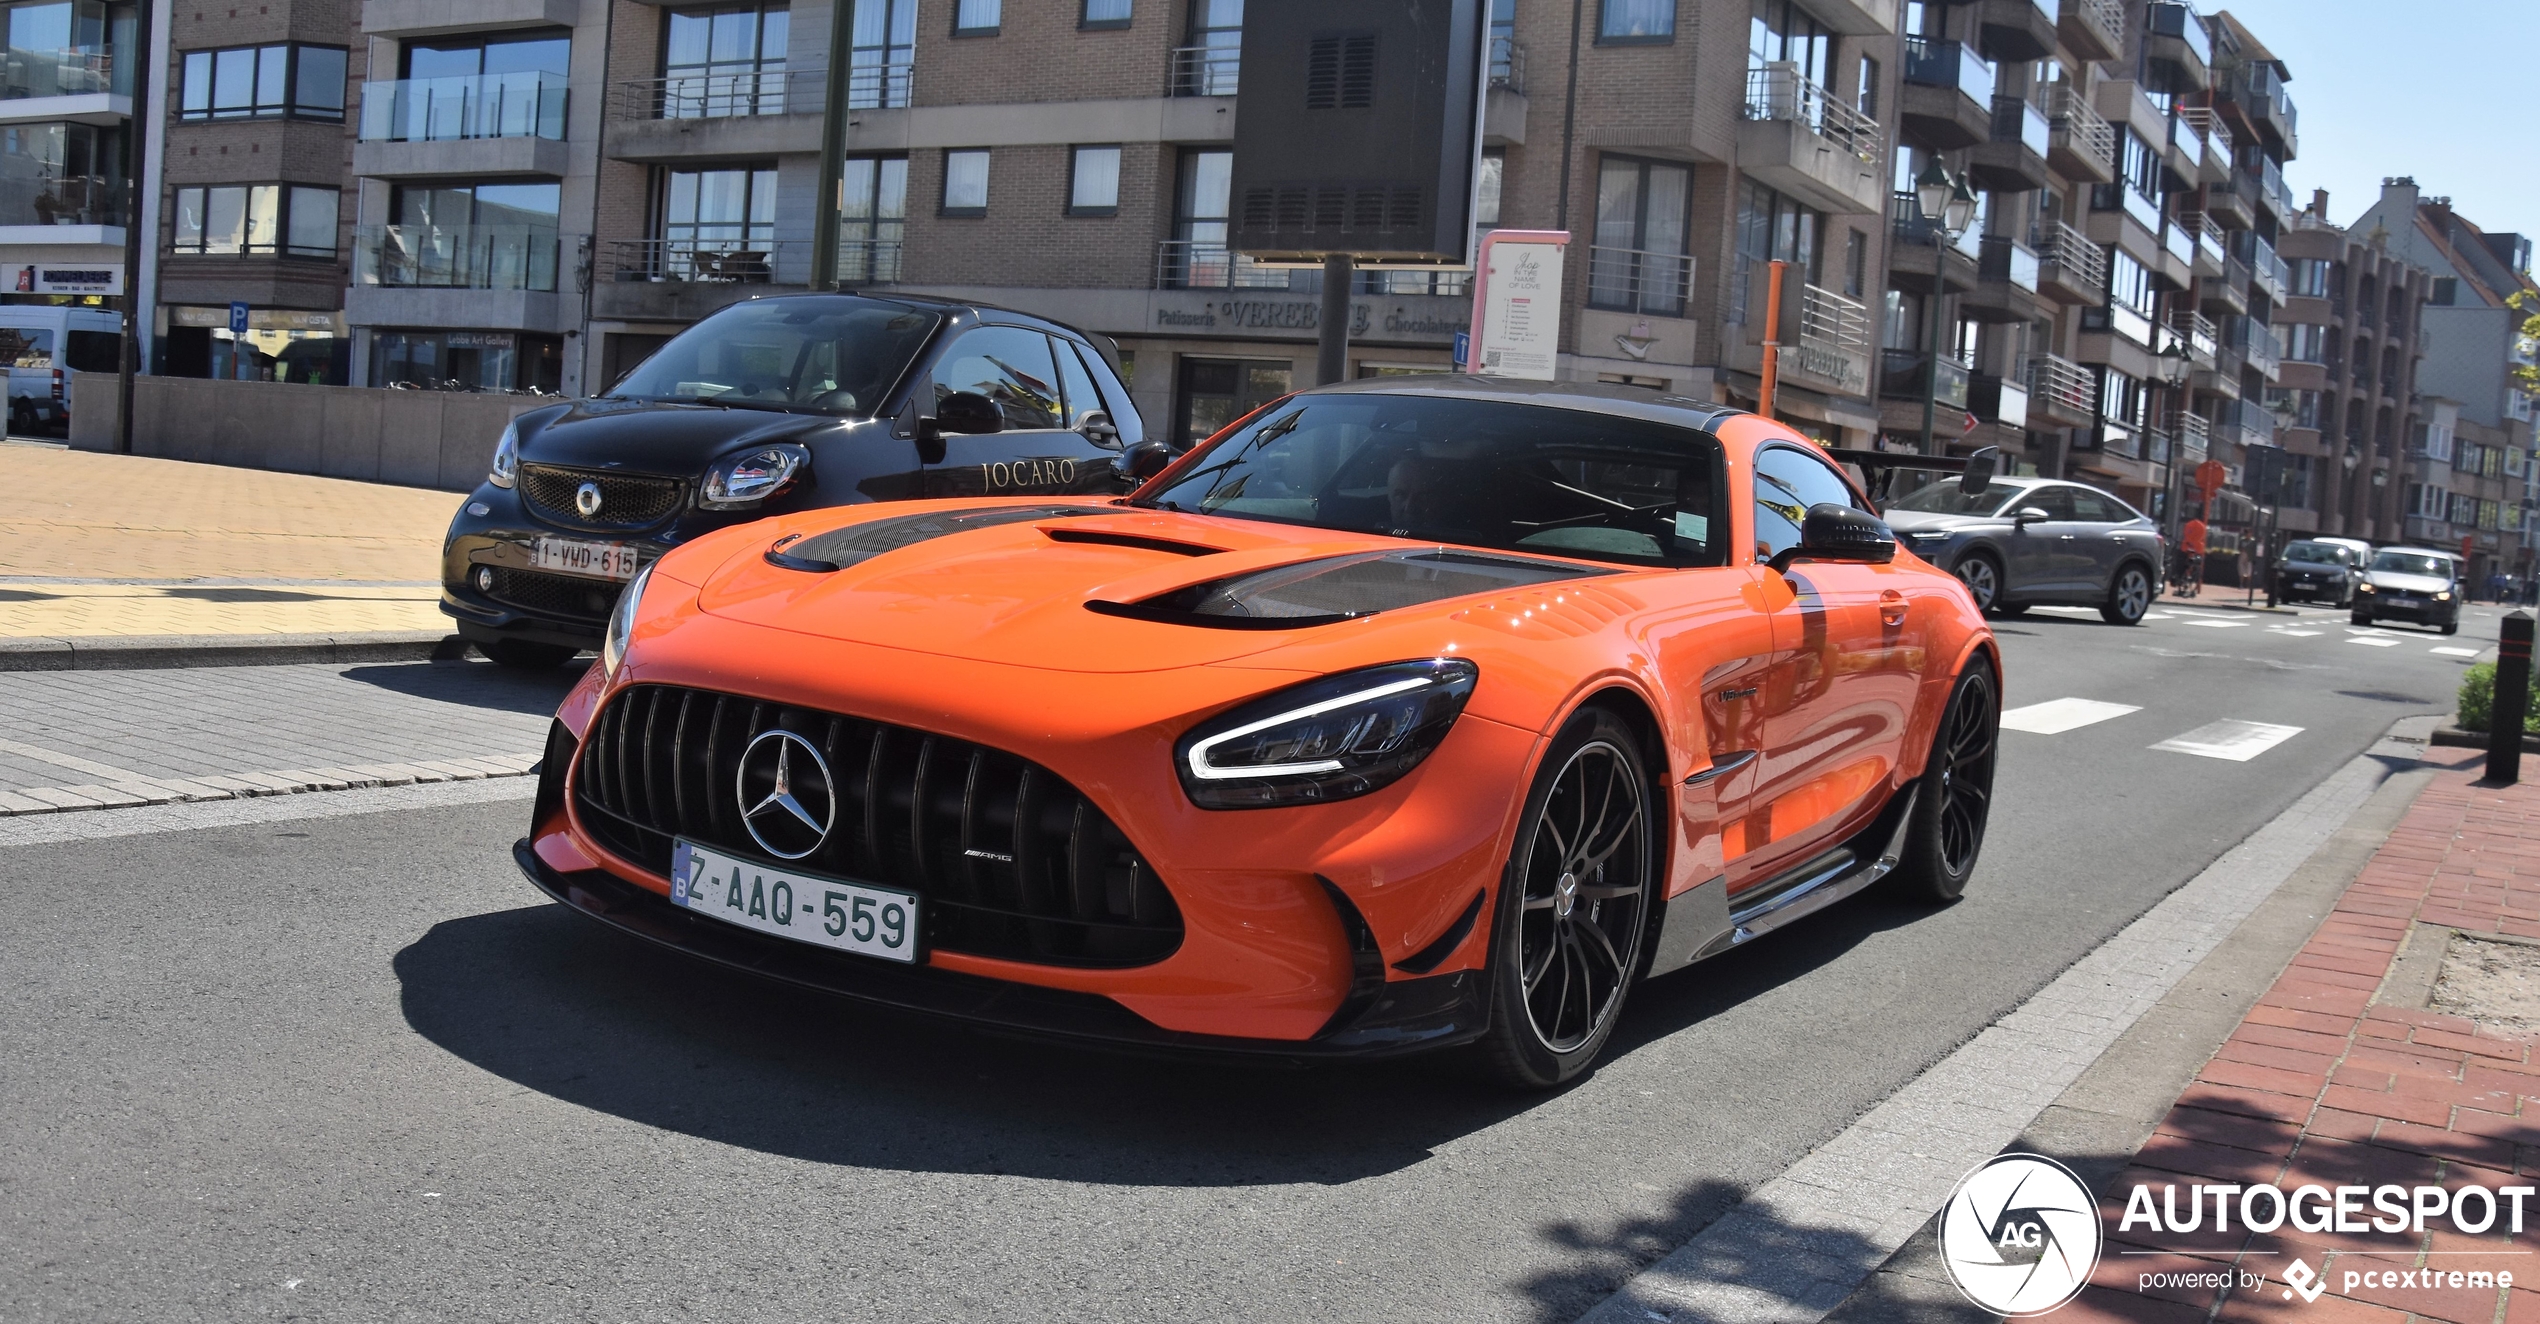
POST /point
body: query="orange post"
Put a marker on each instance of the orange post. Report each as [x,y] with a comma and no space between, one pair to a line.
[1772,338]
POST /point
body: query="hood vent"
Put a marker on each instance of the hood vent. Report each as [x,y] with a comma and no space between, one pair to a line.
[1342,588]
[858,543]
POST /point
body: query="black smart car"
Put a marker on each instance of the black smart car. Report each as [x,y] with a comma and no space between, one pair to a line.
[771,405]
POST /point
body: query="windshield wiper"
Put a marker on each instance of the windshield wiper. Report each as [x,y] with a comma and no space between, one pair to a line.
[724,403]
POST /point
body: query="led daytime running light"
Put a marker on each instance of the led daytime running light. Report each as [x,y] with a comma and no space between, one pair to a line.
[1206,771]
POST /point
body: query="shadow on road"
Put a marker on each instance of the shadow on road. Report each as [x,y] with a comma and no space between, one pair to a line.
[473,684]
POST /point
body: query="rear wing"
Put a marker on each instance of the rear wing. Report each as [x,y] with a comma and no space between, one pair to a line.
[1878,470]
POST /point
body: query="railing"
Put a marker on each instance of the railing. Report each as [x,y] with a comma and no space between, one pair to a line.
[2083,264]
[530,104]
[1777,92]
[2210,244]
[1905,374]
[1185,264]
[2178,243]
[2518,405]
[2266,270]
[2171,19]
[2256,341]
[719,96]
[1934,62]
[1907,222]
[1635,280]
[733,261]
[2008,259]
[64,200]
[2015,120]
[2200,333]
[2191,431]
[1206,71]
[2063,383]
[1834,339]
[461,257]
[2106,15]
[879,84]
[1508,64]
[2071,120]
[73,72]
[2271,185]
[2216,133]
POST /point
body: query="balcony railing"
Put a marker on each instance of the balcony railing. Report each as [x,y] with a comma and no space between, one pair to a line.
[2210,244]
[1834,339]
[456,257]
[2072,122]
[64,200]
[2171,19]
[515,105]
[1934,62]
[2192,433]
[73,72]
[2266,270]
[2108,16]
[736,261]
[720,95]
[1206,71]
[1777,92]
[2200,333]
[2063,384]
[2015,120]
[1906,222]
[2255,341]
[2206,123]
[1905,374]
[1635,280]
[1508,64]
[2007,259]
[2178,243]
[1184,264]
[2082,264]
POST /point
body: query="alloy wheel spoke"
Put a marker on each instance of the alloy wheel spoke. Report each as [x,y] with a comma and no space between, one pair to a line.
[1622,834]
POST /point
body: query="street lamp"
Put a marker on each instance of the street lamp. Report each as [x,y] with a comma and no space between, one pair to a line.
[1947,206]
[2346,493]
[2174,364]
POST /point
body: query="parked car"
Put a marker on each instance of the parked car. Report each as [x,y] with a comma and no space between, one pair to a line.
[48,350]
[1408,713]
[772,406]
[2412,584]
[2319,570]
[2020,542]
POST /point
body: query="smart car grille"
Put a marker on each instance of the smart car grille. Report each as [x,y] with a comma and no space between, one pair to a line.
[627,501]
[563,596]
[1012,861]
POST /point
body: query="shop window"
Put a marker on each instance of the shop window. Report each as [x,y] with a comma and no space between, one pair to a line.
[1216,392]
[490,361]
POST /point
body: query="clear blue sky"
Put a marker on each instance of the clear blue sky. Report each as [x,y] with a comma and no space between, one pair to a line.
[2438,89]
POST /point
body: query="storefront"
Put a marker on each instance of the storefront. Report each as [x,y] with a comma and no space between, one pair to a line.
[495,361]
[279,345]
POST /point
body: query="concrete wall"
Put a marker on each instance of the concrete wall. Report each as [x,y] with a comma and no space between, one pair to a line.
[437,439]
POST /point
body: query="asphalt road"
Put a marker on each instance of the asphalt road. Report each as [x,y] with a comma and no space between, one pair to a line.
[354,1068]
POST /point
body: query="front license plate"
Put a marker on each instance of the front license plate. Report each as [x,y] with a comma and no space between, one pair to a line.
[825,912]
[2402,600]
[573,556]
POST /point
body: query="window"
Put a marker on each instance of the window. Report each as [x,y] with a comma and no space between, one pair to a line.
[2137,190]
[1503,43]
[1636,21]
[510,85]
[977,18]
[62,174]
[965,183]
[719,224]
[2129,308]
[468,360]
[2310,277]
[1099,14]
[470,236]
[1856,255]
[882,50]
[1866,99]
[1637,263]
[256,220]
[1084,397]
[872,216]
[2304,343]
[729,60]
[1198,258]
[2097,507]
[249,81]
[2447,289]
[1212,62]
[60,48]
[1778,31]
[1787,483]
[1009,365]
[1093,187]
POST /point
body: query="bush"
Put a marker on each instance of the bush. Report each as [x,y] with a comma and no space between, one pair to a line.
[2478,697]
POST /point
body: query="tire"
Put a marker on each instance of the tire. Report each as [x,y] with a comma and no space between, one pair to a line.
[1983,577]
[2129,595]
[1574,926]
[2451,627]
[2009,609]
[2359,618]
[1954,796]
[527,655]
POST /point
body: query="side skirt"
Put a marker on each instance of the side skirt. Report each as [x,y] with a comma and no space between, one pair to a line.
[1704,921]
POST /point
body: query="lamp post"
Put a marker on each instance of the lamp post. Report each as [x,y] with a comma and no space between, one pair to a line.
[2174,364]
[2346,494]
[1947,206]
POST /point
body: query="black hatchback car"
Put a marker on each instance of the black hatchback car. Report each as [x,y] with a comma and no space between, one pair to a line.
[773,405]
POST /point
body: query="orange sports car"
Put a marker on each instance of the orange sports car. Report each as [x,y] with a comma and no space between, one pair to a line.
[1400,714]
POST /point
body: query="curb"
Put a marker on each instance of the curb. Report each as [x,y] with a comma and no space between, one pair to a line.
[158,651]
[2453,735]
[255,785]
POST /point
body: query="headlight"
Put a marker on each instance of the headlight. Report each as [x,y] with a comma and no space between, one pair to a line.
[506,465]
[622,623]
[2444,596]
[1331,739]
[746,479]
[2364,587]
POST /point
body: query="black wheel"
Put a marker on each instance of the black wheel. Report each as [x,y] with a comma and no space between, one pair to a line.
[2451,627]
[2129,596]
[2007,609]
[2360,618]
[1954,796]
[1574,904]
[527,655]
[1983,577]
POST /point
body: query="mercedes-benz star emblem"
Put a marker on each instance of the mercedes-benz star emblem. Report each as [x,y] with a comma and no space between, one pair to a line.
[786,799]
[586,499]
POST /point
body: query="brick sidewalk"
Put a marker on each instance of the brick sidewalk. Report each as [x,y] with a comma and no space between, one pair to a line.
[2320,1084]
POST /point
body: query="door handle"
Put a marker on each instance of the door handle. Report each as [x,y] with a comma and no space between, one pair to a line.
[1892,607]
[2068,537]
[1722,765]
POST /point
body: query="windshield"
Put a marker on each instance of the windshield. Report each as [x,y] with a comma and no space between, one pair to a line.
[1944,498]
[2321,552]
[1481,473]
[825,356]
[2413,563]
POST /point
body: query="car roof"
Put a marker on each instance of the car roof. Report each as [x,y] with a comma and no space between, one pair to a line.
[986,312]
[1587,397]
[2422,551]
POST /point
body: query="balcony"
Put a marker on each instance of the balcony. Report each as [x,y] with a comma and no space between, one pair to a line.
[1205,71]
[64,209]
[1833,345]
[757,113]
[2256,343]
[2016,29]
[2268,275]
[1184,264]
[2061,392]
[1508,65]
[80,84]
[1808,144]
[2178,247]
[416,110]
[2254,95]
[1633,280]
[1947,102]
[2202,337]
[2210,250]
[2071,269]
[2214,162]
[2006,284]
[2080,142]
[2093,29]
[2176,47]
[2234,203]
[879,85]
[417,18]
[2272,193]
[2013,160]
[1905,374]
[1997,399]
[1911,262]
[456,257]
[684,279]
[1856,18]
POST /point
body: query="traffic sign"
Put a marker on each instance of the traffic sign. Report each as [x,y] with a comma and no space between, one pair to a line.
[2210,476]
[238,319]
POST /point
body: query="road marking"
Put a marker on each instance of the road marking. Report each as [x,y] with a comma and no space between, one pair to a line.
[2219,625]
[2455,652]
[2375,643]
[2191,611]
[2056,716]
[2230,739]
[2077,611]
[2365,629]
[2293,633]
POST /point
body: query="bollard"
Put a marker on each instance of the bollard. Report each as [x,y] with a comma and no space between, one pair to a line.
[2513,692]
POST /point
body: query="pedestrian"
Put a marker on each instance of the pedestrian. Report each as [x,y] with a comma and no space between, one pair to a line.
[2191,545]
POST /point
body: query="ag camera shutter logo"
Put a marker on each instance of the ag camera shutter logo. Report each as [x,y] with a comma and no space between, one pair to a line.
[2020,1235]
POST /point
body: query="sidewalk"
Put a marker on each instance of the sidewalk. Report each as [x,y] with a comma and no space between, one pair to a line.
[2343,1074]
[103,550]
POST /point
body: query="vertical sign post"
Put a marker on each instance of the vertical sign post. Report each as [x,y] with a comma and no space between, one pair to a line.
[1517,304]
[2513,693]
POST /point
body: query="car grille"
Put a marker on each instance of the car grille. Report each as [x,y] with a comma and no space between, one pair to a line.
[567,597]
[627,501]
[1011,860]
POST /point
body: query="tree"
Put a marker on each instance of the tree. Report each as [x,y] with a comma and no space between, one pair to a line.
[2527,372]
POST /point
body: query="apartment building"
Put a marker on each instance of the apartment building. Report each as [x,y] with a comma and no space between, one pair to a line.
[2468,467]
[2346,404]
[65,116]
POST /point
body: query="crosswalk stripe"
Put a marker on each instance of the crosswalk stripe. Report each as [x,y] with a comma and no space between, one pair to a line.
[2375,643]
[2219,625]
[2056,716]
[2231,739]
[2455,652]
[2296,634]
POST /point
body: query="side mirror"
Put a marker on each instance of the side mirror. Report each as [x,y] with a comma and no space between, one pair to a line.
[967,412]
[1981,467]
[1829,532]
[1144,461]
[2027,515]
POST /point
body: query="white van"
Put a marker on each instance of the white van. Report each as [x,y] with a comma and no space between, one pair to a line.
[48,350]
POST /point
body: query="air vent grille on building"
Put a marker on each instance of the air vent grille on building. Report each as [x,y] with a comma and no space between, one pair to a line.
[1336,209]
[1340,72]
